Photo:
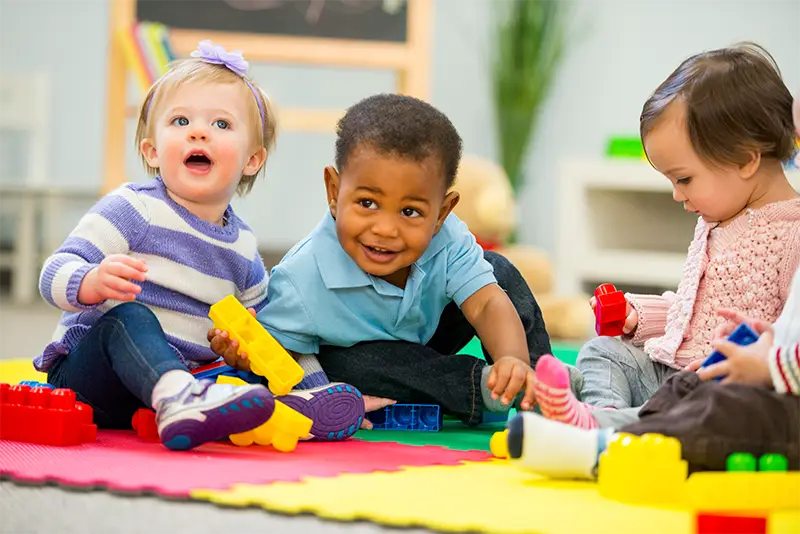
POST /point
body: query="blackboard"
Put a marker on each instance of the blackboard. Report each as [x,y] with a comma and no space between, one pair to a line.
[371,20]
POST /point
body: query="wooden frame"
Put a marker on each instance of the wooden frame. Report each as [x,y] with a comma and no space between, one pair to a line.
[409,59]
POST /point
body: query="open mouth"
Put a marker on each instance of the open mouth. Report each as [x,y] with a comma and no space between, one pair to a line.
[379,254]
[198,162]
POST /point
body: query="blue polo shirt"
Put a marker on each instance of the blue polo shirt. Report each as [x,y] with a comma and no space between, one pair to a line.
[318,295]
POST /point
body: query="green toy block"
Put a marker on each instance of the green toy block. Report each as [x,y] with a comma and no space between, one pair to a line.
[741,461]
[773,462]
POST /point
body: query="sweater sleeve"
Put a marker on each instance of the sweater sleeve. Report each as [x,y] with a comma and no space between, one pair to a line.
[784,366]
[255,295]
[652,311]
[113,226]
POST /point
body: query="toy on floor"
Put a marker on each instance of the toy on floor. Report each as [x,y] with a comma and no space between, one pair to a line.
[644,469]
[267,357]
[499,444]
[144,423]
[730,524]
[609,311]
[34,384]
[743,335]
[45,416]
[282,430]
[416,417]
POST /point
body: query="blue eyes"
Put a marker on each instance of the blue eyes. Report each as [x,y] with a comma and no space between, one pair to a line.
[222,124]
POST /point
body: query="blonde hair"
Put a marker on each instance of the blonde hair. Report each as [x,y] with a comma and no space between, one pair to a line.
[196,70]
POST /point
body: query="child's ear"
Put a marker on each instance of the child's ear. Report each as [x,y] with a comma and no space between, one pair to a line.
[255,162]
[749,169]
[450,201]
[332,188]
[148,149]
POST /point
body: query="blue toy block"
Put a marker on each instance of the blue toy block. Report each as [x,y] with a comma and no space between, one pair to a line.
[35,384]
[414,417]
[743,335]
[488,418]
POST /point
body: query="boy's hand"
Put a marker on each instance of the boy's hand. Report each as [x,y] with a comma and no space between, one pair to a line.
[111,280]
[631,316]
[509,376]
[743,364]
[372,404]
[222,345]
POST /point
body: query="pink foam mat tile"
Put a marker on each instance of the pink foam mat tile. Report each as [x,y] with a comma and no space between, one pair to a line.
[121,461]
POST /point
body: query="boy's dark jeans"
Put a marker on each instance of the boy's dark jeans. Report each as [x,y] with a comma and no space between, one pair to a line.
[434,373]
[713,421]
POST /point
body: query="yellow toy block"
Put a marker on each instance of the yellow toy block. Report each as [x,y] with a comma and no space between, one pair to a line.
[267,357]
[743,491]
[644,469]
[499,444]
[282,430]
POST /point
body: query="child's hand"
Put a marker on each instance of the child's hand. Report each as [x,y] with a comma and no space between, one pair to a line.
[743,364]
[631,316]
[224,346]
[112,280]
[372,404]
[509,376]
[734,319]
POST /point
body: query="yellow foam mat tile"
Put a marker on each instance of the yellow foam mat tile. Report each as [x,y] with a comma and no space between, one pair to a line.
[15,371]
[493,496]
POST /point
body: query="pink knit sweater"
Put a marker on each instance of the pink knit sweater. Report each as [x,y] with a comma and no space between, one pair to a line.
[747,265]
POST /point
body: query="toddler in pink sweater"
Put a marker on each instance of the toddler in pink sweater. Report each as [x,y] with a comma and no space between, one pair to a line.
[719,128]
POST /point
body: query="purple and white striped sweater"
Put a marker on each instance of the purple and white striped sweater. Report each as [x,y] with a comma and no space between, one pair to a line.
[191,265]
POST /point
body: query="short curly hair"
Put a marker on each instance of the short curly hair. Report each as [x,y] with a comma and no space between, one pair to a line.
[402,126]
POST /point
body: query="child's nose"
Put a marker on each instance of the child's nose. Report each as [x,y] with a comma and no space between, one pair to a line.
[677,196]
[384,227]
[198,133]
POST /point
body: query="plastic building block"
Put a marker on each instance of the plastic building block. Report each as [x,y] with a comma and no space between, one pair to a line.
[773,462]
[743,335]
[283,430]
[642,470]
[267,357]
[740,461]
[417,417]
[35,384]
[609,310]
[499,444]
[730,524]
[625,147]
[213,370]
[743,491]
[144,423]
[489,418]
[45,416]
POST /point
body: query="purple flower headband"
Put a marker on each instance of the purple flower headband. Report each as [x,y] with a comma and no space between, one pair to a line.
[234,61]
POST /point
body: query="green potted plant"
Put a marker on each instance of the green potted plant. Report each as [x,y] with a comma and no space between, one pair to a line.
[529,44]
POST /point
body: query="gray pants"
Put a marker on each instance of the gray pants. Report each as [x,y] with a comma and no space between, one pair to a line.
[617,375]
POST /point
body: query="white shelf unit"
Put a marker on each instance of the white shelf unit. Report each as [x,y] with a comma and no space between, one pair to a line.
[618,223]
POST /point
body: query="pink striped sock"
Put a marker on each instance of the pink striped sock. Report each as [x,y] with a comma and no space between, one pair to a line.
[555,397]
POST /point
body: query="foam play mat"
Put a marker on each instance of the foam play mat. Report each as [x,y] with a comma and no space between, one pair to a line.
[440,480]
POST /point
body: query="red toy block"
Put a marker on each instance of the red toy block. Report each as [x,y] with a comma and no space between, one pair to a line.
[609,311]
[45,416]
[730,524]
[144,423]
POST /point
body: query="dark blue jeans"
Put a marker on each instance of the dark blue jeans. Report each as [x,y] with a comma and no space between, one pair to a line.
[117,363]
[434,373]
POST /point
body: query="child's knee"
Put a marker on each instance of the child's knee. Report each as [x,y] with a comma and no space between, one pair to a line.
[134,313]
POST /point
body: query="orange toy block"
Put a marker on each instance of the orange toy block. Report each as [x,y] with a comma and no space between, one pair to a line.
[267,357]
[644,469]
[283,430]
[45,416]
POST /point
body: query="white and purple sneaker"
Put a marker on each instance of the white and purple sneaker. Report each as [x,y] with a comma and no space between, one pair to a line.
[204,411]
[337,410]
